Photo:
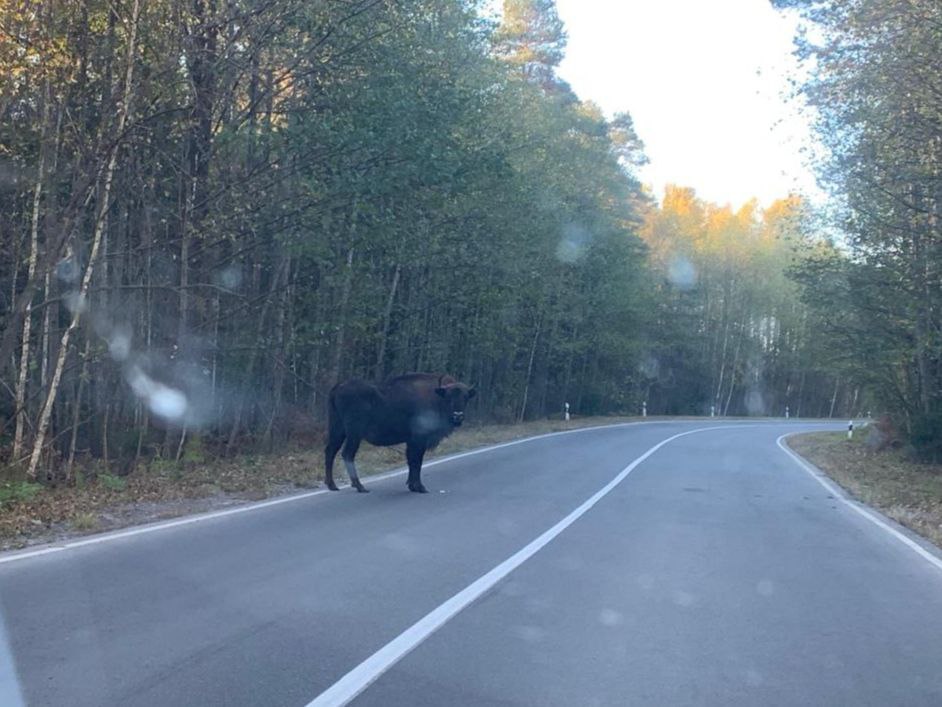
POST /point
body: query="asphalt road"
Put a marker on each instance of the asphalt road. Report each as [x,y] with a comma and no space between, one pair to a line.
[716,572]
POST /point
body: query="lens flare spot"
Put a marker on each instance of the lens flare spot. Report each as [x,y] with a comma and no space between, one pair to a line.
[755,404]
[119,346]
[164,401]
[76,302]
[681,272]
[610,617]
[572,243]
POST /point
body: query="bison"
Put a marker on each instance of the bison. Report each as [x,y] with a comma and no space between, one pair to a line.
[420,409]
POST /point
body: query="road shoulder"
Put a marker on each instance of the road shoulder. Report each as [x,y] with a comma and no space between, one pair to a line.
[902,493]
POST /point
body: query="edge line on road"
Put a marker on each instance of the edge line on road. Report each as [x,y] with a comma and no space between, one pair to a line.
[842,496]
[47,549]
[366,673]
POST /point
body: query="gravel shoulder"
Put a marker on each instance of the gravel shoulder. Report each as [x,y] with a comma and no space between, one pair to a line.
[907,492]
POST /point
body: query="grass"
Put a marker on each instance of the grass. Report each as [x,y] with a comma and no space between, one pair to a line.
[31,513]
[18,491]
[85,521]
[909,493]
[110,481]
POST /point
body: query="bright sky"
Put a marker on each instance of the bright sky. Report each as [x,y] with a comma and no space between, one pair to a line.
[704,82]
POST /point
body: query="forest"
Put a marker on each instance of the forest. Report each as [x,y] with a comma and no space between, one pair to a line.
[215,210]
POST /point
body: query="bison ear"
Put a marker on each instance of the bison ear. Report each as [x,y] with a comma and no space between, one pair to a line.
[472,392]
[441,391]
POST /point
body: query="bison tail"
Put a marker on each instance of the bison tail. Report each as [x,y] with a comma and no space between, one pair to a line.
[336,431]
[333,417]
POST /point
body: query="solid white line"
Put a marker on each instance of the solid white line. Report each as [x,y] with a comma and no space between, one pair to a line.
[246,508]
[15,555]
[11,694]
[839,494]
[358,679]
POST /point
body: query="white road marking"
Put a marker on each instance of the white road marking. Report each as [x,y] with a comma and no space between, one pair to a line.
[201,517]
[367,672]
[839,494]
[15,555]
[11,694]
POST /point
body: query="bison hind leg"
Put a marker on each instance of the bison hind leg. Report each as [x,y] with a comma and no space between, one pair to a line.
[354,476]
[350,449]
[417,487]
[334,442]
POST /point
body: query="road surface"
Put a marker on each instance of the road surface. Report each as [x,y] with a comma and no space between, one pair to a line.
[576,569]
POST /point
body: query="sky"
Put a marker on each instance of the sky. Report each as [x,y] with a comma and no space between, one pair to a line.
[704,82]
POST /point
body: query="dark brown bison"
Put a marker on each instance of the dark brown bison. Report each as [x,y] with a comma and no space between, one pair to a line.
[420,409]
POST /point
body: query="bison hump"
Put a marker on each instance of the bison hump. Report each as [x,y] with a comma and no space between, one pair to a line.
[420,378]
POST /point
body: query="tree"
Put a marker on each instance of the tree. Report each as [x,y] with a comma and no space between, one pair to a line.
[873,87]
[531,38]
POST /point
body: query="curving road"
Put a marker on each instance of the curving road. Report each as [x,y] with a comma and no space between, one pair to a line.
[647,564]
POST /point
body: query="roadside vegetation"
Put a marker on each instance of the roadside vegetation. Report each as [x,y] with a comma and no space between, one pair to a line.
[889,480]
[876,302]
[214,212]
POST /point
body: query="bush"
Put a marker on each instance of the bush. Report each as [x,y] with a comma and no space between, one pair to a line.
[112,482]
[926,437]
[17,491]
[195,451]
[85,521]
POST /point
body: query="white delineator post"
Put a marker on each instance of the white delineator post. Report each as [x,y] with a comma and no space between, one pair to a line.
[566,411]
[786,412]
[713,411]
[850,430]
[644,409]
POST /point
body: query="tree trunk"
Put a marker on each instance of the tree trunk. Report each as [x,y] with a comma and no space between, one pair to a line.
[732,370]
[46,334]
[837,382]
[346,287]
[77,411]
[23,377]
[526,386]
[82,293]
[387,316]
[253,356]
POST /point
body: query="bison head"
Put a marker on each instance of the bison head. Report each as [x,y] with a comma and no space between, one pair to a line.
[454,399]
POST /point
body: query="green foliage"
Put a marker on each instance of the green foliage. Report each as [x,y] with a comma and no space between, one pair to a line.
[926,438]
[195,451]
[531,38]
[166,467]
[728,329]
[18,491]
[315,191]
[873,89]
[112,482]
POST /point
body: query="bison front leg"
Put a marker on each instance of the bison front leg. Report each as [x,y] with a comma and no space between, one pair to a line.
[414,455]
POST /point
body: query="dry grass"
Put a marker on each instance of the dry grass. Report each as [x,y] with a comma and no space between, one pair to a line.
[909,493]
[85,521]
[163,489]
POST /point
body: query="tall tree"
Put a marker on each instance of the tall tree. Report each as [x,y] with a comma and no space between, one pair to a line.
[531,38]
[874,89]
